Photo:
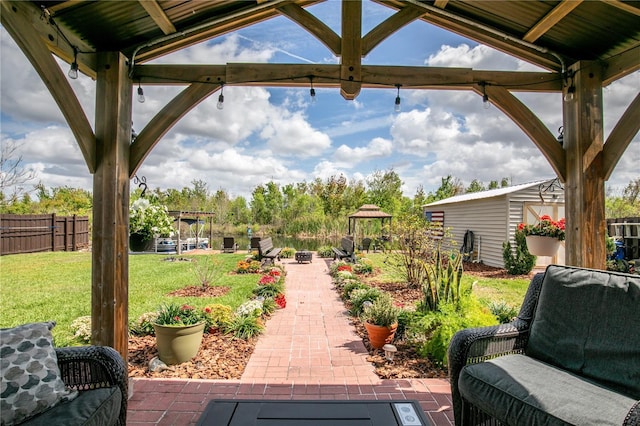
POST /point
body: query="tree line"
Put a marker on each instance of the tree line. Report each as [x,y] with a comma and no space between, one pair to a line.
[313,208]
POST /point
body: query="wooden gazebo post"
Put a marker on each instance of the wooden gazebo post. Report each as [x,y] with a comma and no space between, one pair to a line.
[584,187]
[110,257]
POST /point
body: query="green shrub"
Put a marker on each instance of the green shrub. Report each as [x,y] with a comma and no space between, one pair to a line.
[269,305]
[244,326]
[433,332]
[405,319]
[349,286]
[363,266]
[361,295]
[325,251]
[287,252]
[502,311]
[269,290]
[523,262]
[381,312]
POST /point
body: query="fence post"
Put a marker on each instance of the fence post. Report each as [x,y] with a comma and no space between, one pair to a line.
[53,232]
[74,236]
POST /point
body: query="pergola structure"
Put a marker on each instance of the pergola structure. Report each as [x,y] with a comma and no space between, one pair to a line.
[584,45]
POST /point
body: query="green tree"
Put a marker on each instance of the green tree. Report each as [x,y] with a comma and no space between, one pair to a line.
[475,186]
[384,189]
[449,187]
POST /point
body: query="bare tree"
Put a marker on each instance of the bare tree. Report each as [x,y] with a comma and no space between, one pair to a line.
[13,173]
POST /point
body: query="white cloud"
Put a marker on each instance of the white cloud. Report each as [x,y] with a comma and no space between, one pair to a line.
[377,148]
[290,134]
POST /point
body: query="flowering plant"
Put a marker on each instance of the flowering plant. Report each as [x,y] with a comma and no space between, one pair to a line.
[266,280]
[545,227]
[281,301]
[180,315]
[149,219]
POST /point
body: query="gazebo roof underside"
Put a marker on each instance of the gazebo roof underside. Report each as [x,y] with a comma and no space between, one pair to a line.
[547,33]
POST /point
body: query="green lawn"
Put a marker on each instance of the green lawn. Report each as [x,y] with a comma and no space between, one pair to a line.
[511,291]
[57,286]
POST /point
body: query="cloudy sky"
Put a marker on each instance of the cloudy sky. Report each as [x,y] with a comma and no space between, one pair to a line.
[277,134]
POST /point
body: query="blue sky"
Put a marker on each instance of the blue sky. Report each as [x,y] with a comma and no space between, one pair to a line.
[277,134]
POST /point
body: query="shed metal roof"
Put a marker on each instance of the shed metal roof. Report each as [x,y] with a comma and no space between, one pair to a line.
[487,194]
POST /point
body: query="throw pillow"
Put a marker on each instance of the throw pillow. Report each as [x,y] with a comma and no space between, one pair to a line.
[31,380]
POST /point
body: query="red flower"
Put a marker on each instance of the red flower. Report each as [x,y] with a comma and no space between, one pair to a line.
[266,279]
[281,301]
[344,268]
[274,273]
[207,309]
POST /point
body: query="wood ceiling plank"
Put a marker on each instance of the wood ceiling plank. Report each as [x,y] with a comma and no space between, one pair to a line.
[314,26]
[213,28]
[64,5]
[623,6]
[459,26]
[550,19]
[351,59]
[159,17]
[15,19]
[440,3]
[39,22]
[389,26]
[621,65]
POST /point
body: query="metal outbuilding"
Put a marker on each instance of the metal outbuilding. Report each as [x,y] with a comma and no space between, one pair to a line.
[494,215]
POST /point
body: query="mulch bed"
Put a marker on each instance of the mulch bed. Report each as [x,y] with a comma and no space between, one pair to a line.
[225,357]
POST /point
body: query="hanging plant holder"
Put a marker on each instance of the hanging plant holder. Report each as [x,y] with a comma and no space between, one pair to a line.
[542,246]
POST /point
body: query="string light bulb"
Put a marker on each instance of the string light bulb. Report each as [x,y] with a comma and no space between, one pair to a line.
[73,71]
[396,106]
[312,91]
[485,98]
[571,90]
[141,98]
[221,98]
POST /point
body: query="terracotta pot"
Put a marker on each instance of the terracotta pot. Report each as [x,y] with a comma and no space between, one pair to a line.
[542,246]
[380,335]
[178,344]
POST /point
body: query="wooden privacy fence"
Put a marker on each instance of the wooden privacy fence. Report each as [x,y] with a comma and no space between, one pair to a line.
[43,232]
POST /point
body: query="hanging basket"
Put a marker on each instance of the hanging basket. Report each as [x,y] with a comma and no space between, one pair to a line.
[542,246]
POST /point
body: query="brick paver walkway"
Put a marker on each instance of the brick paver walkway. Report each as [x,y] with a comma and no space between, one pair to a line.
[308,351]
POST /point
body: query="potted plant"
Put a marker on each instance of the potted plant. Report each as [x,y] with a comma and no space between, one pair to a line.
[543,237]
[179,330]
[148,220]
[381,321]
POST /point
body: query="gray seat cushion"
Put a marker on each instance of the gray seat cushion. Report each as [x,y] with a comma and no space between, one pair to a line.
[520,390]
[97,407]
[587,322]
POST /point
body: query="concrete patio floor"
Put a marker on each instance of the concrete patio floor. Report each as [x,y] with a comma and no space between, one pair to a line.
[309,351]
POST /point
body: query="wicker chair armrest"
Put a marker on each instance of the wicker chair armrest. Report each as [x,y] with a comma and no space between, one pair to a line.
[633,417]
[91,367]
[475,345]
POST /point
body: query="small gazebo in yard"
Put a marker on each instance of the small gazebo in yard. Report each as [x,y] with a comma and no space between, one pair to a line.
[368,211]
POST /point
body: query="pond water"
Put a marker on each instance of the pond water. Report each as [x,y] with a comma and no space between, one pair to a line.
[311,244]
